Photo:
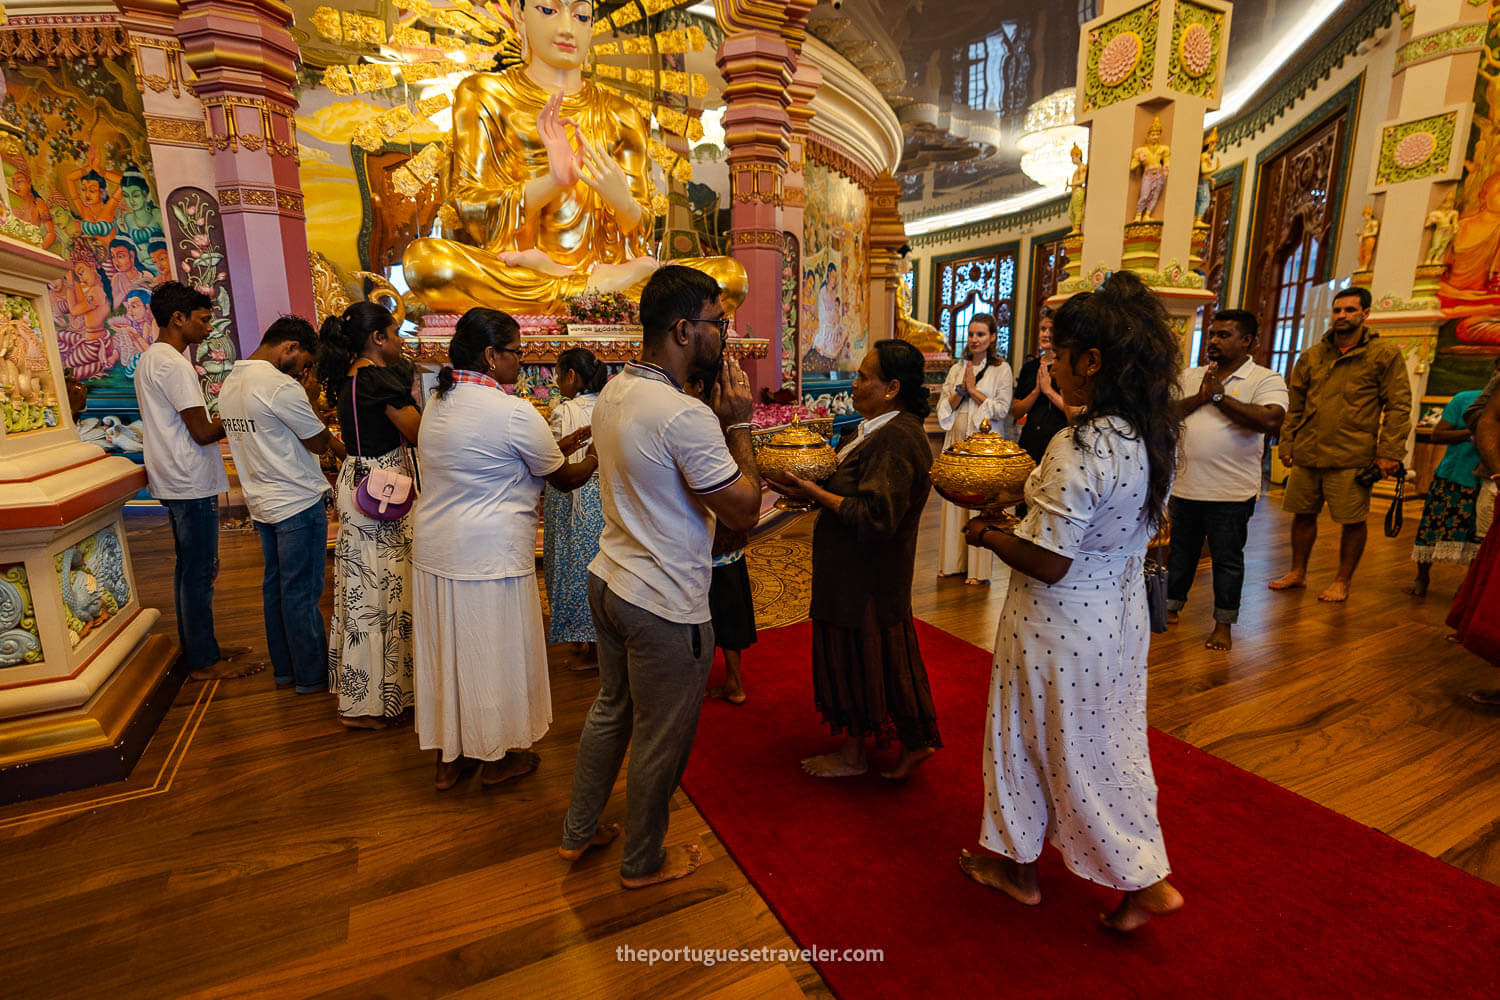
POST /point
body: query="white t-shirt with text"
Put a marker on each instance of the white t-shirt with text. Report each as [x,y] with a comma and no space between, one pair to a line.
[266,418]
[177,467]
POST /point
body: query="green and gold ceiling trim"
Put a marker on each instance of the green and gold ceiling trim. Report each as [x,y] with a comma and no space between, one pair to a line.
[1449,41]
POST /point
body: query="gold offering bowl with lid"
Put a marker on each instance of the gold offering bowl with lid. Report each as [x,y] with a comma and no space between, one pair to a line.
[984,472]
[798,451]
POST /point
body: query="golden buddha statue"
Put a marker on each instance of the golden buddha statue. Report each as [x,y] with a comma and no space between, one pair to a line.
[923,336]
[550,182]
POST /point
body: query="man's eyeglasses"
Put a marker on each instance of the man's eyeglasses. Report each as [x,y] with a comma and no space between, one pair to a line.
[722,323]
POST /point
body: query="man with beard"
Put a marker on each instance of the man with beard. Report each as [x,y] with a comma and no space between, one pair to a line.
[276,436]
[1350,410]
[1228,409]
[668,464]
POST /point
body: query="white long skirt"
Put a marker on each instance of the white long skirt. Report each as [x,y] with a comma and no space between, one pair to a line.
[953,555]
[481,665]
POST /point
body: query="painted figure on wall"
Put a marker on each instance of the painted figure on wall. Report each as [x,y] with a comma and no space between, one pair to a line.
[85,168]
[1154,160]
[834,293]
[1443,221]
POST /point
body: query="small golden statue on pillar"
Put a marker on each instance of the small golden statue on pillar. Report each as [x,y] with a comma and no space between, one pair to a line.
[1154,159]
[550,183]
[1077,185]
[1369,235]
[1443,221]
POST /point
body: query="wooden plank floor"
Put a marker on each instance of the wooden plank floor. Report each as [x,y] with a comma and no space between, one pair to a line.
[260,849]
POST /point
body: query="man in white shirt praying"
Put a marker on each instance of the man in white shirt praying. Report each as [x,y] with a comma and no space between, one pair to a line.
[186,473]
[276,437]
[668,464]
[1228,409]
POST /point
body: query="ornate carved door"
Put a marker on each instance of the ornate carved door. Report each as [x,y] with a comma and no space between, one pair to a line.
[1298,194]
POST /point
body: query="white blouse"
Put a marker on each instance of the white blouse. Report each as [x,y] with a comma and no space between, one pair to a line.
[571,414]
[996,384]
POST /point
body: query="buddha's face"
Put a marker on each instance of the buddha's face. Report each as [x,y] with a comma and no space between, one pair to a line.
[557,32]
[90,191]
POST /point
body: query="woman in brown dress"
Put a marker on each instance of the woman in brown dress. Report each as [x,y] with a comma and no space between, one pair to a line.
[868,677]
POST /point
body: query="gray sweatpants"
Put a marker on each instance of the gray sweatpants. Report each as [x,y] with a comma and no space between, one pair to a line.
[651,677]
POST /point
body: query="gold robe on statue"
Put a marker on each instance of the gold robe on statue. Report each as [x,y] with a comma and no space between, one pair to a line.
[496,151]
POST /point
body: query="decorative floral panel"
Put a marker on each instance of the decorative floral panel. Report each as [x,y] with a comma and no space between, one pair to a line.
[1197,40]
[28,398]
[91,575]
[791,267]
[1121,58]
[202,259]
[1415,150]
[20,642]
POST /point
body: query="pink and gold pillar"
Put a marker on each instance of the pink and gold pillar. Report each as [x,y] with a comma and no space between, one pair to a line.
[246,66]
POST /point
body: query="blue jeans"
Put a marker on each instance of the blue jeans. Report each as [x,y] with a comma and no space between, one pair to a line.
[296,551]
[195,537]
[1224,524]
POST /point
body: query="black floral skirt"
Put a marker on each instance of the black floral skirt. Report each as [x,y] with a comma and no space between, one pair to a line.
[1446,531]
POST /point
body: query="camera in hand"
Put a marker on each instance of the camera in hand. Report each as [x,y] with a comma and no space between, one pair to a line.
[1371,474]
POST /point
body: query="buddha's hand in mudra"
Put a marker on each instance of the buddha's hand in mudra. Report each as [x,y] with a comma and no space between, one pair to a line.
[602,172]
[552,129]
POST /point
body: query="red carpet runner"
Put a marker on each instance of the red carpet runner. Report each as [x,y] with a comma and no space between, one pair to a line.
[1284,897]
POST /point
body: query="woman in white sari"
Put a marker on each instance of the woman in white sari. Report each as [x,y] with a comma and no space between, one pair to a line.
[978,388]
[1066,758]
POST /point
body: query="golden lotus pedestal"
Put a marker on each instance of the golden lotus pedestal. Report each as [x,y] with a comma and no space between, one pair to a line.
[985,472]
[797,451]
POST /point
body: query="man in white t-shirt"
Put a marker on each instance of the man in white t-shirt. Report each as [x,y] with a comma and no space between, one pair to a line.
[276,437]
[186,473]
[1228,409]
[668,464]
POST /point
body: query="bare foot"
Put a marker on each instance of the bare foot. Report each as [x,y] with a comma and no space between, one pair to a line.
[972,582]
[365,721]
[1337,592]
[1140,906]
[1291,581]
[735,696]
[603,837]
[233,652]
[833,765]
[1417,588]
[224,671]
[515,764]
[1173,618]
[681,862]
[1015,880]
[535,259]
[1218,638]
[1486,697]
[908,763]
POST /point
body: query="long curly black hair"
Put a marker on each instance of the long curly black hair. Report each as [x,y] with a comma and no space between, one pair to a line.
[1140,359]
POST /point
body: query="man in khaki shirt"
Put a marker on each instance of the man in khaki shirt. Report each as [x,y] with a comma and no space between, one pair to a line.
[1350,409]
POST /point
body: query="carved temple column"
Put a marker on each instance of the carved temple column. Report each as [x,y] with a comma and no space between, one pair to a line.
[1138,62]
[246,66]
[799,112]
[887,234]
[758,59]
[757,69]
[1418,163]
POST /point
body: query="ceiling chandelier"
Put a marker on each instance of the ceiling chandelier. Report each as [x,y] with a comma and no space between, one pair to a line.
[1047,140]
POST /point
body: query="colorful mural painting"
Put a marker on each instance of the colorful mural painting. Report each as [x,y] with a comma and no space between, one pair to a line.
[85,176]
[91,575]
[202,260]
[1469,342]
[834,304]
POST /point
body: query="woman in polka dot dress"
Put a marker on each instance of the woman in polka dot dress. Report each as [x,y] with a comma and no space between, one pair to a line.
[1066,759]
